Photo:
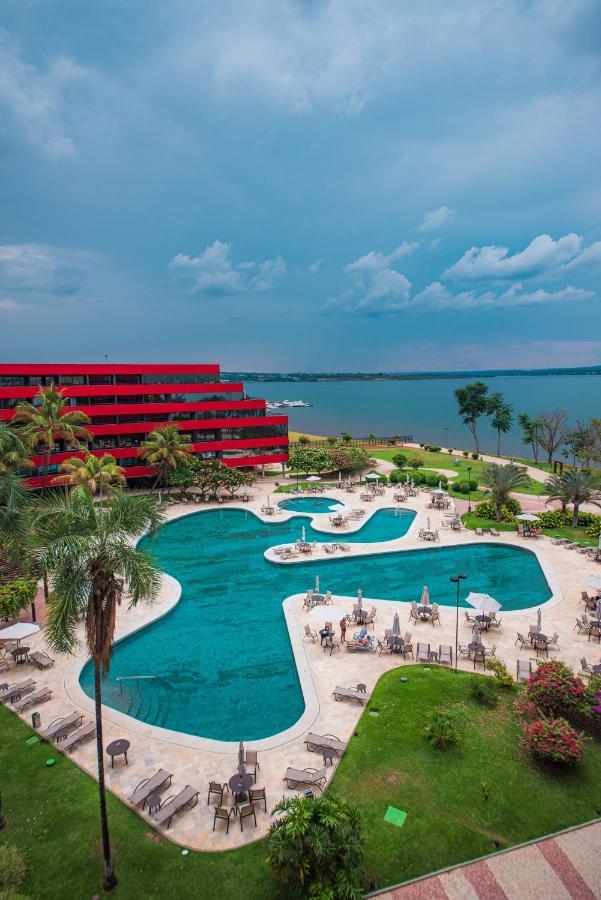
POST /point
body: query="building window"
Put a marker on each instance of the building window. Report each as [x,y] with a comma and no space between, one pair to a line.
[72,379]
[180,377]
[12,380]
[128,379]
[100,379]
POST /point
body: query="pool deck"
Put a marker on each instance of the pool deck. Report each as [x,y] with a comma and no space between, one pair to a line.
[195,761]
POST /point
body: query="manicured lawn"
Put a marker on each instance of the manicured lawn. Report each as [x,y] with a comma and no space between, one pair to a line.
[435,460]
[52,815]
[449,821]
[572,534]
[472,521]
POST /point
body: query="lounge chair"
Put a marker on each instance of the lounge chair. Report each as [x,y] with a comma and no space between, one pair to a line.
[61,727]
[186,799]
[479,532]
[423,652]
[445,654]
[361,645]
[82,734]
[41,660]
[495,533]
[311,777]
[351,694]
[14,691]
[319,742]
[160,779]
[524,670]
[31,699]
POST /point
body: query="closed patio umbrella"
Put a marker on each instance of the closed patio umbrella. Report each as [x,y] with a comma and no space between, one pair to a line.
[303,535]
[598,609]
[428,524]
[476,634]
[425,595]
[241,768]
[339,478]
[317,584]
[359,596]
[396,626]
[539,619]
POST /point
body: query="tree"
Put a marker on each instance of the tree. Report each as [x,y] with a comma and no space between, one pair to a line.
[97,473]
[373,437]
[331,441]
[88,551]
[582,442]
[15,595]
[316,847]
[502,480]
[399,459]
[552,431]
[42,422]
[575,487]
[303,440]
[232,479]
[416,462]
[501,414]
[530,433]
[311,459]
[164,449]
[472,402]
[346,437]
[13,451]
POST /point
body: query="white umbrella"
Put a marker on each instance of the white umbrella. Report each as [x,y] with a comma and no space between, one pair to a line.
[539,619]
[303,535]
[19,631]
[331,613]
[593,581]
[396,625]
[425,595]
[317,584]
[528,517]
[373,476]
[484,602]
[359,596]
[313,478]
[339,478]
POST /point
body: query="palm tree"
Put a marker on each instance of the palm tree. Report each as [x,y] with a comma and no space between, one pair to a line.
[501,414]
[165,449]
[88,552]
[97,473]
[13,451]
[41,424]
[502,480]
[575,487]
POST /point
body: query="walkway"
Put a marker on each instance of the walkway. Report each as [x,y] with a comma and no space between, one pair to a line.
[558,868]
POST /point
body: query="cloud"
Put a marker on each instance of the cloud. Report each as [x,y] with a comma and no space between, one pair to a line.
[438,296]
[375,261]
[436,218]
[37,271]
[314,268]
[379,289]
[543,256]
[214,272]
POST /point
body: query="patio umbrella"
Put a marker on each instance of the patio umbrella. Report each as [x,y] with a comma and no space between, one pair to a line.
[339,478]
[313,478]
[428,525]
[373,476]
[483,602]
[331,613]
[593,581]
[241,768]
[476,633]
[539,619]
[19,631]
[317,584]
[396,625]
[359,596]
[528,517]
[425,595]
[303,535]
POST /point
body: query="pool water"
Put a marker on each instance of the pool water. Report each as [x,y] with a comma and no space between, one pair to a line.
[222,657]
[311,504]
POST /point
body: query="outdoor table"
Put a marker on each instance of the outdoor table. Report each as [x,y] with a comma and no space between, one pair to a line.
[596,670]
[239,786]
[475,647]
[154,803]
[360,615]
[326,634]
[20,655]
[118,748]
[424,611]
[328,756]
[538,636]
[318,598]
[396,644]
[484,620]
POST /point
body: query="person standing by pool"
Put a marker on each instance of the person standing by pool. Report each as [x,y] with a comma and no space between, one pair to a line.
[342,624]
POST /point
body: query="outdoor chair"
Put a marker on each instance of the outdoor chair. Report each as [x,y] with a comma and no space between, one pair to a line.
[445,654]
[524,670]
[533,629]
[246,812]
[40,696]
[423,652]
[492,650]
[413,613]
[41,660]
[523,642]
[4,660]
[462,650]
[258,795]
[495,623]
[59,728]
[469,619]
[541,647]
[435,617]
[552,643]
[582,625]
[215,787]
[479,532]
[479,656]
[331,645]
[310,633]
[311,777]
[319,742]
[82,734]
[186,799]
[224,815]
[495,533]
[148,786]
[383,648]
[387,634]
[408,647]
[251,758]
[586,669]
[14,691]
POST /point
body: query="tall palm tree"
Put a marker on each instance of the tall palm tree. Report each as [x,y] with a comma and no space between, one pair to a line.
[502,480]
[40,424]
[97,473]
[92,563]
[576,487]
[165,449]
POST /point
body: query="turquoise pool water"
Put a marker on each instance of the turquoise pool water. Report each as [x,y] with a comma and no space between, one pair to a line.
[310,504]
[222,657]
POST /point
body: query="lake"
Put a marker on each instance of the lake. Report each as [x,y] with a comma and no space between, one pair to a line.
[425,408]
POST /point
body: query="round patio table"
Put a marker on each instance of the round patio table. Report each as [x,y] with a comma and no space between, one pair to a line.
[538,636]
[485,620]
[424,611]
[475,647]
[154,803]
[325,635]
[328,756]
[396,644]
[20,655]
[118,748]
[318,598]
[239,785]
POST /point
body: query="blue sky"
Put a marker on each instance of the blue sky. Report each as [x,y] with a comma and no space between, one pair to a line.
[278,185]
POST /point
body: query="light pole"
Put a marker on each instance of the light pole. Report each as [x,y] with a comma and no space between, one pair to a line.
[446,428]
[469,489]
[457,579]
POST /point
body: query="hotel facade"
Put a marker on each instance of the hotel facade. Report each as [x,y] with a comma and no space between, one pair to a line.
[126,402]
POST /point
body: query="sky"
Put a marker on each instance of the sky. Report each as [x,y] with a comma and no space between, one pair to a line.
[301,185]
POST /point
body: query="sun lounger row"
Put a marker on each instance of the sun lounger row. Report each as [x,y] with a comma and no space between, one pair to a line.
[186,799]
[22,694]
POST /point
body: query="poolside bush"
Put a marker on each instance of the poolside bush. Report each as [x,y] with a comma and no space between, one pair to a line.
[556,691]
[432,448]
[483,691]
[594,529]
[399,459]
[510,509]
[316,847]
[464,487]
[440,731]
[553,740]
[15,595]
[12,870]
[416,462]
[466,453]
[475,456]
[502,674]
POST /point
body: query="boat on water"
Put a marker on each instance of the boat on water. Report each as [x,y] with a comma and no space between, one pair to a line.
[286,404]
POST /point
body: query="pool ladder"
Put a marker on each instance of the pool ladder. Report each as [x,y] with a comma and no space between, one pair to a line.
[122,678]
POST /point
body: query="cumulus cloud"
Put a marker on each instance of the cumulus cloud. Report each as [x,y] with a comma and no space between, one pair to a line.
[438,296]
[314,268]
[543,256]
[379,289]
[215,272]
[436,218]
[375,261]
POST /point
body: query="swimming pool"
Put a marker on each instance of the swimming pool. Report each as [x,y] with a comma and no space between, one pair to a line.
[222,658]
[311,504]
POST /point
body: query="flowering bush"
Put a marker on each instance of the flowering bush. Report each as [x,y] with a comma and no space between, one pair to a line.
[556,691]
[553,740]
[509,511]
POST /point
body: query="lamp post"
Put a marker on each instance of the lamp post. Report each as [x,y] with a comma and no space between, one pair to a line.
[469,489]
[447,438]
[457,579]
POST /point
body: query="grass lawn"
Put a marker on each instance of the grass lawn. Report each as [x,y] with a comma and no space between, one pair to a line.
[472,521]
[449,821]
[52,814]
[572,534]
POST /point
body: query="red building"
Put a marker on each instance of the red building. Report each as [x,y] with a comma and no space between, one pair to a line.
[126,402]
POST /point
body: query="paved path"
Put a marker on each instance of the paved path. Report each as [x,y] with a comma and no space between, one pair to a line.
[559,868]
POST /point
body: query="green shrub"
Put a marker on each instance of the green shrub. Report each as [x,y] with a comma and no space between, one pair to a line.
[432,448]
[554,518]
[416,462]
[553,740]
[501,672]
[464,486]
[440,732]
[594,529]
[484,691]
[400,460]
[383,479]
[15,595]
[475,456]
[466,453]
[12,869]
[487,510]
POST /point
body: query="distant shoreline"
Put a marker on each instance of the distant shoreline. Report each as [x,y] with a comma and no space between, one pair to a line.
[405,376]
